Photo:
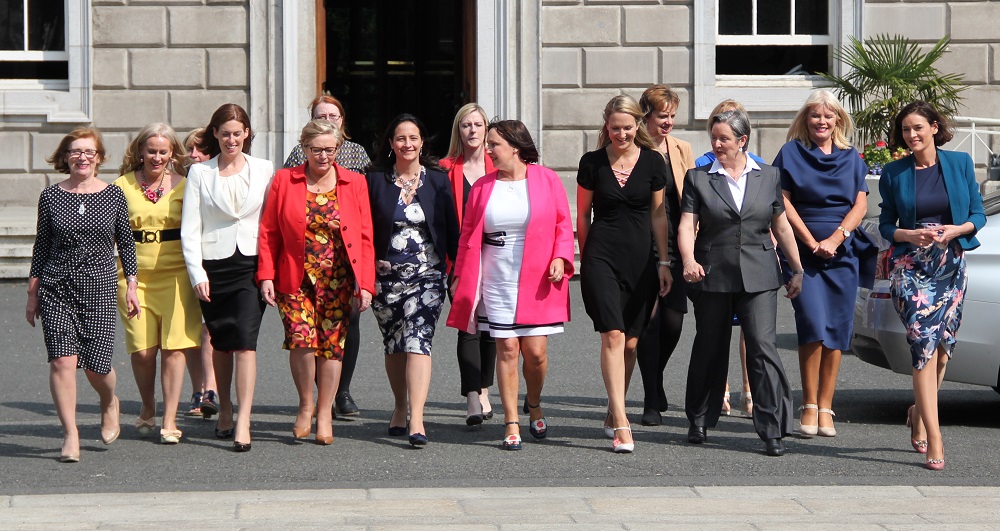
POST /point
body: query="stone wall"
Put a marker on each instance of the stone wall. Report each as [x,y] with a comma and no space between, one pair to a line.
[595,49]
[174,61]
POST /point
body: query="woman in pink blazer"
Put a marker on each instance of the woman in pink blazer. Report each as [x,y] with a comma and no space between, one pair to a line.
[514,261]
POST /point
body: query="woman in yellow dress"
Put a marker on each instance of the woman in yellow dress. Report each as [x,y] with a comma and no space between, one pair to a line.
[152,178]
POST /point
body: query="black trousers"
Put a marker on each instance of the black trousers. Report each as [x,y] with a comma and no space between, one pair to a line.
[656,345]
[709,368]
[477,360]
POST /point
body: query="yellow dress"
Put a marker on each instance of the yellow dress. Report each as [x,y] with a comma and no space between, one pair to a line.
[171,316]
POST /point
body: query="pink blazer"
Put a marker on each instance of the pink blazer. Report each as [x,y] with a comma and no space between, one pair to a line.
[549,236]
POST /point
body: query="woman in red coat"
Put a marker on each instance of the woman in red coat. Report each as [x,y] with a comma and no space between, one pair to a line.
[316,261]
[467,163]
[514,261]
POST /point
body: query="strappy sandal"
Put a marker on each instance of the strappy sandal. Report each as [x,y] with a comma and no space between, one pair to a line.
[620,447]
[747,402]
[512,441]
[538,428]
[726,407]
[808,430]
[826,432]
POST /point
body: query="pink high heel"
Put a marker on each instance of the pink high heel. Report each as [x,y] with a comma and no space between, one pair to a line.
[919,445]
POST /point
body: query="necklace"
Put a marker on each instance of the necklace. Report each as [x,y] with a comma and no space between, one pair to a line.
[622,173]
[406,184]
[83,204]
[152,194]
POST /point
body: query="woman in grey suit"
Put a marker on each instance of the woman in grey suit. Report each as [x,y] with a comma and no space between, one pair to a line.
[731,267]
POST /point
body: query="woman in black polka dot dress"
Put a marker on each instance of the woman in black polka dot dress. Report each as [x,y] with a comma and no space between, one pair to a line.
[73,282]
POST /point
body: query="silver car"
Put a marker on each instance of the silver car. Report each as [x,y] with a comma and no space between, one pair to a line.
[879,336]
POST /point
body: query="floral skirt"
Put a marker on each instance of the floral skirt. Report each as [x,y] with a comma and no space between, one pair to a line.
[927,286]
[407,303]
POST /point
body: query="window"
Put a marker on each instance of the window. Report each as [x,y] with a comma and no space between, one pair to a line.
[45,59]
[765,53]
[33,44]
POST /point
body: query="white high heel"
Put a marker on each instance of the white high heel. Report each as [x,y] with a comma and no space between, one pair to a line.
[620,447]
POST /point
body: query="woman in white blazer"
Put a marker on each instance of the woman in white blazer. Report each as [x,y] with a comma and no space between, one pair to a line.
[223,203]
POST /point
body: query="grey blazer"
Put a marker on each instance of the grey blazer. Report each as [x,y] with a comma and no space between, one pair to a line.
[734,246]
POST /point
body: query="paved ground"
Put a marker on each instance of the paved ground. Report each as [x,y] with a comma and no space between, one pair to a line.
[867,474]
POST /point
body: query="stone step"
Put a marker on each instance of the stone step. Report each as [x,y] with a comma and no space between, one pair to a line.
[15,250]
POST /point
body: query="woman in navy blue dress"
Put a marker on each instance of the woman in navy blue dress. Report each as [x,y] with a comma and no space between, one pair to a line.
[823,182]
[931,211]
[415,233]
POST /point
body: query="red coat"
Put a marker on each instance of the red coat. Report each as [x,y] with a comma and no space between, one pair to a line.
[549,236]
[281,256]
[456,174]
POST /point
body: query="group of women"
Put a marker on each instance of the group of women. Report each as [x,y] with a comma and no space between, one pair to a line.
[490,228]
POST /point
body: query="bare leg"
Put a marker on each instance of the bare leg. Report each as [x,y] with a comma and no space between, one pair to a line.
[613,368]
[810,358]
[925,388]
[418,382]
[171,381]
[508,382]
[223,362]
[144,371]
[828,370]
[328,372]
[207,363]
[62,385]
[246,379]
[536,364]
[395,370]
[743,364]
[105,384]
[302,362]
[192,357]
[630,357]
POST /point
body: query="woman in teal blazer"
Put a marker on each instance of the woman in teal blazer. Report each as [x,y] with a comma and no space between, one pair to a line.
[931,211]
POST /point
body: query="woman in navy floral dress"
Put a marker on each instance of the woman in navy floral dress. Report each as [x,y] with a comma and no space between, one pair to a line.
[931,211]
[415,230]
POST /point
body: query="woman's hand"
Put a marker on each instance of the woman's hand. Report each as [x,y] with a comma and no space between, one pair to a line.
[794,286]
[945,233]
[827,248]
[201,290]
[267,292]
[453,286]
[693,272]
[922,237]
[556,269]
[132,301]
[666,279]
[32,310]
[364,300]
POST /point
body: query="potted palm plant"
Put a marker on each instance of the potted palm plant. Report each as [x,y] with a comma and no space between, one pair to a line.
[883,74]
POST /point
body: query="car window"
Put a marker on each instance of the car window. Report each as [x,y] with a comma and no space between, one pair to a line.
[991,197]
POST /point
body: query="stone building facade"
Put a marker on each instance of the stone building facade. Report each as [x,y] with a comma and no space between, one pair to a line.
[551,63]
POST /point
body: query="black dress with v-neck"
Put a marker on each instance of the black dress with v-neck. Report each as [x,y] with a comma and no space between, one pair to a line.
[618,266]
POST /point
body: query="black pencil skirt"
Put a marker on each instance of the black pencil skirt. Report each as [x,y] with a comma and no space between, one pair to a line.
[236,308]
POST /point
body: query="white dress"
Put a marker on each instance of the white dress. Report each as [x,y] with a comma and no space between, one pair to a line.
[504,227]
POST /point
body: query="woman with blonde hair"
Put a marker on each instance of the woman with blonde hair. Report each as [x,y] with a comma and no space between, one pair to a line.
[623,184]
[317,268]
[152,179]
[825,196]
[466,163]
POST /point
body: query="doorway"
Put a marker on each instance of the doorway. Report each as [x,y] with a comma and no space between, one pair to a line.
[383,58]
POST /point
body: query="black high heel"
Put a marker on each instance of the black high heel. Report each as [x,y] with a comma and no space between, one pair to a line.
[241,447]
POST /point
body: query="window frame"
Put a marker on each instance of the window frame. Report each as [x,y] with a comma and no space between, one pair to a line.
[63,100]
[762,93]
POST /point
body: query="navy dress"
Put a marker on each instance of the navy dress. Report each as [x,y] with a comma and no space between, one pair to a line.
[823,190]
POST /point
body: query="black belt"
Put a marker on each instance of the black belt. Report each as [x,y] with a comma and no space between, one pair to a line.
[156,236]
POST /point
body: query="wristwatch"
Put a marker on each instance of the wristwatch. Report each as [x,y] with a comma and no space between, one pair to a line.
[667,263]
[847,233]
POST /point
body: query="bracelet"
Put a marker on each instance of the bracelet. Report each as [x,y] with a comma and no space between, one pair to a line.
[667,263]
[799,272]
[132,279]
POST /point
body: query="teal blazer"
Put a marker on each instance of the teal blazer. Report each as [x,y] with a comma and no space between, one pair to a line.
[898,188]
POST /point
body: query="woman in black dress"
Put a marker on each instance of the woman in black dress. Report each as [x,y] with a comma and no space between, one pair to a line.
[73,282]
[623,184]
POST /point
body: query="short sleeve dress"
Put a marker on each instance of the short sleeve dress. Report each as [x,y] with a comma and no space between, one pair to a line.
[823,188]
[74,260]
[618,266]
[171,317]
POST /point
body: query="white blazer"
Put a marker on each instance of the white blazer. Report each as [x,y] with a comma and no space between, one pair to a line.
[211,227]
